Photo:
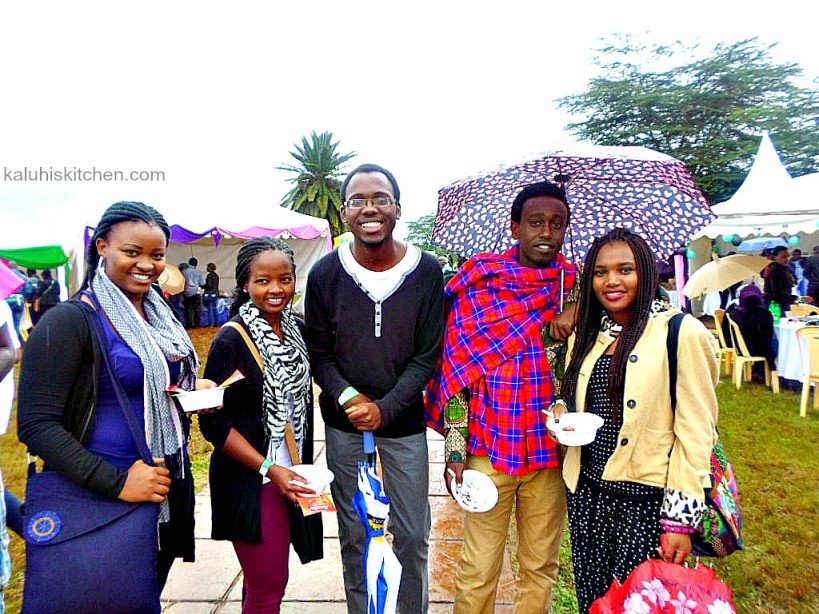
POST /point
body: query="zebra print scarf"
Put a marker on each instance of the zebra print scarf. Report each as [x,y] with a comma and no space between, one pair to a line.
[287,384]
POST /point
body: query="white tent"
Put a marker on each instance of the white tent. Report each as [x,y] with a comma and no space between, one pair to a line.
[769,201]
[219,243]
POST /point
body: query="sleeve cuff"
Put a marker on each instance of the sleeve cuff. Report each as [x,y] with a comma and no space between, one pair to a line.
[682,508]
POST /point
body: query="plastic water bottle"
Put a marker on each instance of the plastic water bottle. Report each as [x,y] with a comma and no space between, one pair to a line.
[776,311]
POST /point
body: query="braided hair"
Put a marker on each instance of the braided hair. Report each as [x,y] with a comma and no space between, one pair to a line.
[247,253]
[591,312]
[123,211]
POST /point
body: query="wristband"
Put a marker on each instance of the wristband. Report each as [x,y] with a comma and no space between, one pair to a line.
[670,526]
[348,393]
[267,464]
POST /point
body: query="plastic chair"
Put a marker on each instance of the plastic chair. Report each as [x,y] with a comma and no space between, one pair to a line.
[809,353]
[743,360]
[802,309]
[725,354]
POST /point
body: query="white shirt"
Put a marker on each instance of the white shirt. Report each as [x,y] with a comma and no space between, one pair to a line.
[380,284]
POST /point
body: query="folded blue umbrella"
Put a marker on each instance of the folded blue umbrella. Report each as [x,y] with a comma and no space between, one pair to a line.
[382,570]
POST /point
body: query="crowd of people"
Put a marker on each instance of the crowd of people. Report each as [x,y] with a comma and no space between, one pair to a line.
[39,293]
[756,306]
[393,349]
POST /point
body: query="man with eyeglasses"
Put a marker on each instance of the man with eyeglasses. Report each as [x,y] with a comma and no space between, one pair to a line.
[374,315]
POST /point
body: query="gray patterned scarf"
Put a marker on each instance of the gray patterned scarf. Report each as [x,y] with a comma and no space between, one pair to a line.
[157,341]
[287,383]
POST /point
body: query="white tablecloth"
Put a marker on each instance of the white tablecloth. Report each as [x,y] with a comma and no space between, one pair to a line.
[710,303]
[788,360]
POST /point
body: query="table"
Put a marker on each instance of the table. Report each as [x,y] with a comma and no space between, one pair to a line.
[788,359]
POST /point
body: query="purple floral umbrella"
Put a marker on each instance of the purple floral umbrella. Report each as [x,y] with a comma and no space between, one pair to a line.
[637,188]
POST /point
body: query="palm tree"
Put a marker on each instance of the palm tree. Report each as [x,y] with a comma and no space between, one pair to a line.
[316,184]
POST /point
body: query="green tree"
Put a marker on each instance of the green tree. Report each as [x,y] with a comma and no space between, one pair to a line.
[316,183]
[707,112]
[420,234]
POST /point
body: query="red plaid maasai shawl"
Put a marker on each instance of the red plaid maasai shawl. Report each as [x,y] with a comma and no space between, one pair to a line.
[493,347]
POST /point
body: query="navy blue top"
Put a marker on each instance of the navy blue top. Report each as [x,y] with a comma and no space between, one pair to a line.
[110,436]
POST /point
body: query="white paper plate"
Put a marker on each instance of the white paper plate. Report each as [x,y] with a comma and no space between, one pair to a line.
[477,493]
[318,477]
[196,400]
[584,428]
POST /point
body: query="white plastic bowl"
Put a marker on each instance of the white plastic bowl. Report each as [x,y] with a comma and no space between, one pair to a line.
[196,400]
[477,493]
[585,427]
[317,477]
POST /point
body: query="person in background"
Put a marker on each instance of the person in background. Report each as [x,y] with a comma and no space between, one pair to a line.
[60,399]
[375,320]
[756,324]
[251,480]
[796,268]
[17,301]
[488,399]
[176,300]
[446,269]
[637,491]
[211,294]
[9,355]
[191,299]
[810,269]
[779,281]
[47,295]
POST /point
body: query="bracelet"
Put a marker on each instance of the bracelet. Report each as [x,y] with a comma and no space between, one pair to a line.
[669,526]
[267,464]
[348,393]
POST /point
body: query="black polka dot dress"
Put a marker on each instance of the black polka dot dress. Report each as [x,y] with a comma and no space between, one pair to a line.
[614,526]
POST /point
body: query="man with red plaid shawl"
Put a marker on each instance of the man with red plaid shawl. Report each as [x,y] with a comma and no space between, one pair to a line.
[491,384]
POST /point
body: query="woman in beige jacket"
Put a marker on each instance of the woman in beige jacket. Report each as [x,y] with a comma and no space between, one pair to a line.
[636,491]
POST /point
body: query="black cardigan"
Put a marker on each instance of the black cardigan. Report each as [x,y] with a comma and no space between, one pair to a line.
[235,488]
[58,383]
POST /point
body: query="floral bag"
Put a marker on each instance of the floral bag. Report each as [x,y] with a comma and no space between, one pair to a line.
[720,533]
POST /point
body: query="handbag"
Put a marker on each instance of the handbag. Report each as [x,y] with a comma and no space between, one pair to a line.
[87,552]
[720,532]
[306,532]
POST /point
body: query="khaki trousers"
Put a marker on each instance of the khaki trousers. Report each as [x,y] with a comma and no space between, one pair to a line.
[539,499]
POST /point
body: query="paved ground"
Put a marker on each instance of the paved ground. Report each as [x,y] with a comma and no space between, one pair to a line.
[214,583]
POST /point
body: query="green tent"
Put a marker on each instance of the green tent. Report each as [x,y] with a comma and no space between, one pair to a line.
[40,258]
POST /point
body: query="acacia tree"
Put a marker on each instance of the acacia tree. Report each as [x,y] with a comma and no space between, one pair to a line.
[707,112]
[420,234]
[317,183]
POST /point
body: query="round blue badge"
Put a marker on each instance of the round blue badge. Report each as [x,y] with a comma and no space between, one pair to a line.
[43,527]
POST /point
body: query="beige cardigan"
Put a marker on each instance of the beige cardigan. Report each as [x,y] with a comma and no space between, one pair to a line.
[655,447]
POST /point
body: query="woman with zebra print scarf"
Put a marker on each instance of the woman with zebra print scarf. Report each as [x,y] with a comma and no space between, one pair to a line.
[252,485]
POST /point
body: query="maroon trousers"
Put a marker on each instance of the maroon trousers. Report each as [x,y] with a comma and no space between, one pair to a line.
[264,565]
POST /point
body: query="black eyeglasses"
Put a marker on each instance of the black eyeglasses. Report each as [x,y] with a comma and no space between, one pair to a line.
[382,202]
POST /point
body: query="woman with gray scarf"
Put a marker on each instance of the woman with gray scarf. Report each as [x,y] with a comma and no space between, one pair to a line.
[69,413]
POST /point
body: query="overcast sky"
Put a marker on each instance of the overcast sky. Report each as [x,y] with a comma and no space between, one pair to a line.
[215,95]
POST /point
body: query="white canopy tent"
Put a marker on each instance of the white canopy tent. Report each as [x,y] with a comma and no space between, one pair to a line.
[768,203]
[309,237]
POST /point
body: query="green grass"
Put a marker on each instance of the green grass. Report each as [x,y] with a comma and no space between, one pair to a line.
[774,452]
